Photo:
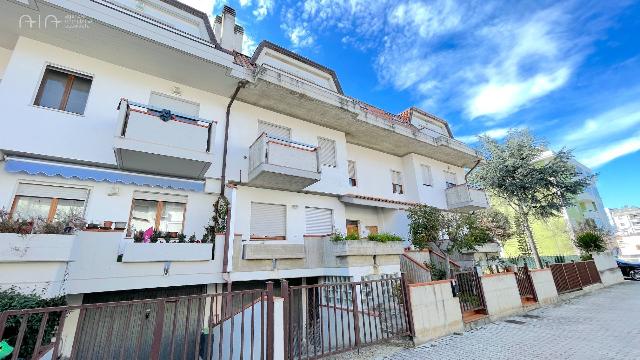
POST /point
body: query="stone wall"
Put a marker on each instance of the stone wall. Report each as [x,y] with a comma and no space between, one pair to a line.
[435,311]
[501,294]
[608,268]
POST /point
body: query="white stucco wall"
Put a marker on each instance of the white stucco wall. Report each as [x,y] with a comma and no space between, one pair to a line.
[5,55]
[87,137]
[296,68]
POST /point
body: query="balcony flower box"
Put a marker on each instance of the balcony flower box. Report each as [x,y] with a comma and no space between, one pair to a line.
[36,247]
[364,247]
[159,252]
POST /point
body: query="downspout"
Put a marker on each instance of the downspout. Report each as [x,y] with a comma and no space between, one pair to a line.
[223,177]
[470,170]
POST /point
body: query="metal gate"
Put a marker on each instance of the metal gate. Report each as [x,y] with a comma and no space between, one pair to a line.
[326,319]
[230,325]
[470,292]
[525,285]
[574,276]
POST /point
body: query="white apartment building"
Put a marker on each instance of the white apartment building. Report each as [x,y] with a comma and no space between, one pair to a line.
[627,224]
[120,109]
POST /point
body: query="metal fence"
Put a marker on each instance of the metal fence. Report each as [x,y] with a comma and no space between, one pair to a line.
[326,319]
[575,275]
[231,325]
[545,259]
[414,271]
[470,292]
[525,284]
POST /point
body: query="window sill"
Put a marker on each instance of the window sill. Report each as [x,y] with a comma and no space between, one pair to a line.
[268,238]
[57,110]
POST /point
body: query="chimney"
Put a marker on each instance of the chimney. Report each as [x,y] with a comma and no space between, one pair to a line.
[227,33]
[217,27]
[238,34]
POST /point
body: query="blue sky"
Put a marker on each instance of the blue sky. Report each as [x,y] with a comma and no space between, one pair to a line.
[567,70]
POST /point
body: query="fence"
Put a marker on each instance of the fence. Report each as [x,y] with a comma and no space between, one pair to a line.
[470,292]
[574,276]
[525,284]
[229,325]
[326,319]
[414,271]
[546,260]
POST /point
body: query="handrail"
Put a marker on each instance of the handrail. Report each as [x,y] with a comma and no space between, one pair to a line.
[443,258]
[415,262]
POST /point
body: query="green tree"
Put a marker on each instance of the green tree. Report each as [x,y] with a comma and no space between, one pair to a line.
[449,232]
[591,239]
[513,171]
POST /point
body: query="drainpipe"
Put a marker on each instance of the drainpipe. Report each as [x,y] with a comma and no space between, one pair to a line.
[470,170]
[223,177]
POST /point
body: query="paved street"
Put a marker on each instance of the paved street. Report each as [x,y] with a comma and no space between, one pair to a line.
[602,325]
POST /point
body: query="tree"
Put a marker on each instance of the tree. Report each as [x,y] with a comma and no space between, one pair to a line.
[513,171]
[449,232]
[496,223]
[591,239]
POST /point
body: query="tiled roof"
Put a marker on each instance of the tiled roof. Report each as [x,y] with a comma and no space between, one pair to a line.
[243,60]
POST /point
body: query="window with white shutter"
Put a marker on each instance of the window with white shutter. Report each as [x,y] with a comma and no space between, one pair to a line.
[318,221]
[327,151]
[396,182]
[426,175]
[48,202]
[274,130]
[268,221]
[353,180]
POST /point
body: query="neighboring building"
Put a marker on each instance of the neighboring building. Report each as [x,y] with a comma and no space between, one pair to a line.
[627,224]
[117,110]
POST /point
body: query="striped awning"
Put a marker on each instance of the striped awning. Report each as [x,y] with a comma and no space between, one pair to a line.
[80,172]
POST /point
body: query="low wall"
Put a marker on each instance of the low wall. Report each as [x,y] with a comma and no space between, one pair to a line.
[501,295]
[608,268]
[544,285]
[435,311]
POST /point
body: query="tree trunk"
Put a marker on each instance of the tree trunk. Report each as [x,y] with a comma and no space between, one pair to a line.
[531,242]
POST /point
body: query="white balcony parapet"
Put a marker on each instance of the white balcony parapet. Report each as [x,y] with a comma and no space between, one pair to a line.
[159,141]
[16,248]
[465,198]
[282,164]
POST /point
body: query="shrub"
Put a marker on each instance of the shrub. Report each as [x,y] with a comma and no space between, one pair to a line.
[11,299]
[352,236]
[337,236]
[437,272]
[384,237]
[590,242]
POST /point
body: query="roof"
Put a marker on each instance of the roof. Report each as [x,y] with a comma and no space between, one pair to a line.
[277,48]
[197,13]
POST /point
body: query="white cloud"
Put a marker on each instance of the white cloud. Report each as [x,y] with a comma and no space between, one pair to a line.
[263,8]
[497,134]
[299,36]
[601,155]
[248,45]
[244,3]
[610,123]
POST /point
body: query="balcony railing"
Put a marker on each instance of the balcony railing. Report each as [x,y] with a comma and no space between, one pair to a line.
[281,163]
[160,141]
[466,198]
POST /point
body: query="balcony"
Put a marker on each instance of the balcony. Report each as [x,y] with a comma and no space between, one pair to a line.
[159,141]
[282,164]
[464,198]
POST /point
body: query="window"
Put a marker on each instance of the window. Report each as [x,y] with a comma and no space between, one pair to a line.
[158,211]
[396,182]
[63,90]
[318,221]
[353,227]
[426,175]
[450,179]
[372,230]
[274,130]
[268,221]
[327,152]
[353,181]
[47,202]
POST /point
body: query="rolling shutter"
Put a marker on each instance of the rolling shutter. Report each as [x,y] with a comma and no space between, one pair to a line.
[352,169]
[179,106]
[46,191]
[327,151]
[318,221]
[396,177]
[426,174]
[268,220]
[274,130]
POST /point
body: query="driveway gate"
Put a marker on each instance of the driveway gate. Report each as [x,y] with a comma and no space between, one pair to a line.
[574,276]
[326,319]
[470,292]
[525,284]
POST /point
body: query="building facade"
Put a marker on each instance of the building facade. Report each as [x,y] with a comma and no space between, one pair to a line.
[139,115]
[627,224]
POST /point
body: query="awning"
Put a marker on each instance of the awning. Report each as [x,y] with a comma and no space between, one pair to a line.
[68,171]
